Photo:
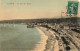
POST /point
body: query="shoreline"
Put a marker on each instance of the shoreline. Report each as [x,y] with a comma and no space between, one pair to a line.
[42,43]
[48,40]
[51,41]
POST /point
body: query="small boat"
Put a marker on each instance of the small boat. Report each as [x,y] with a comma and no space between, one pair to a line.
[30,26]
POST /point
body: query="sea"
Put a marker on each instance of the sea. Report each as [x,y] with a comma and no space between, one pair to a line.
[17,37]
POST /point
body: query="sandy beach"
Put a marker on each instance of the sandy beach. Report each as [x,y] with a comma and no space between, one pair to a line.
[48,40]
[41,45]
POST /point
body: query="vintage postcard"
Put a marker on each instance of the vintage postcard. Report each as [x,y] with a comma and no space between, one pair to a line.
[39,25]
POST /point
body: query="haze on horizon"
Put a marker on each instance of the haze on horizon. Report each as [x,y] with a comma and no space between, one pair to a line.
[37,9]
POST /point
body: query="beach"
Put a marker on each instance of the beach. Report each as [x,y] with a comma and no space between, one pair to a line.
[41,45]
[48,40]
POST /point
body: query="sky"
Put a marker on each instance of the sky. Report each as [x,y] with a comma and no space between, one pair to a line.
[36,9]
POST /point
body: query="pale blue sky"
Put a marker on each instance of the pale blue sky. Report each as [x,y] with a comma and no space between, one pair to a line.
[37,9]
[56,4]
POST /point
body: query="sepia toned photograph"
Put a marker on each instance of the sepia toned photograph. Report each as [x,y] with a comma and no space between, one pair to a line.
[39,25]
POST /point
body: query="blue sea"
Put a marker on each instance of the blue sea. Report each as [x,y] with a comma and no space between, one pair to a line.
[17,37]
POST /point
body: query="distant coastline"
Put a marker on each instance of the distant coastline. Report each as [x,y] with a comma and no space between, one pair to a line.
[42,20]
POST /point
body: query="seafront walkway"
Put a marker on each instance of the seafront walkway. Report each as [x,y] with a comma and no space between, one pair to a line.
[55,42]
[70,37]
[52,43]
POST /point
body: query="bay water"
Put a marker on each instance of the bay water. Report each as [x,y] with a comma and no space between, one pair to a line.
[17,37]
